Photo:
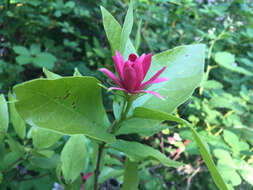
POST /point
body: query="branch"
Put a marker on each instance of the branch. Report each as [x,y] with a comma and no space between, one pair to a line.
[190,178]
[11,165]
[100,151]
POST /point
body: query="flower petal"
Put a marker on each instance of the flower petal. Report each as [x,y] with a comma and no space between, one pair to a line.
[119,63]
[153,93]
[111,75]
[146,64]
[129,77]
[156,81]
[85,177]
[117,88]
[153,78]
[139,71]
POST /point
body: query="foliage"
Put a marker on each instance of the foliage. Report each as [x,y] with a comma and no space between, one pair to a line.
[61,35]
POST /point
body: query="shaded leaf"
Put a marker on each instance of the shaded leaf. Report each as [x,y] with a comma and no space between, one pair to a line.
[17,122]
[4,117]
[43,138]
[21,50]
[227,60]
[44,59]
[138,152]
[73,157]
[131,179]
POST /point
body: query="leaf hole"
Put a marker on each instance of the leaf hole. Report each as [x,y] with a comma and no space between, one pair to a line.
[66,96]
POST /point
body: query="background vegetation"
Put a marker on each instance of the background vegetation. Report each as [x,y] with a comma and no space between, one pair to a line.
[63,35]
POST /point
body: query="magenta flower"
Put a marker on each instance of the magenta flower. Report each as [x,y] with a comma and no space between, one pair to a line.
[132,73]
[84,178]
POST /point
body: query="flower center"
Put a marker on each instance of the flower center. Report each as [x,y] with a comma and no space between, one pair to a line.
[132,57]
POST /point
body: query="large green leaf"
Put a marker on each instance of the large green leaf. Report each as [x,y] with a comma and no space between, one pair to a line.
[17,122]
[127,28]
[204,150]
[69,105]
[73,157]
[4,117]
[137,152]
[185,68]
[131,179]
[113,32]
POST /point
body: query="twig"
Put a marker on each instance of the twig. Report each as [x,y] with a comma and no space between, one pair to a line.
[191,177]
[100,151]
[35,177]
[11,165]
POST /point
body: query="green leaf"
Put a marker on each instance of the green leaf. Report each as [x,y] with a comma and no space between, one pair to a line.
[131,179]
[69,105]
[77,73]
[137,152]
[112,29]
[44,138]
[113,33]
[212,84]
[1,178]
[227,60]
[24,59]
[204,150]
[209,162]
[233,140]
[118,104]
[108,172]
[42,153]
[144,127]
[8,159]
[35,49]
[4,117]
[45,163]
[44,59]
[138,37]
[15,146]
[21,50]
[50,75]
[127,28]
[246,171]
[185,68]
[73,157]
[145,122]
[228,173]
[17,122]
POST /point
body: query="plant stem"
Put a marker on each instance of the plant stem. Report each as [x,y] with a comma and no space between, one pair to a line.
[114,128]
[11,165]
[123,115]
[97,170]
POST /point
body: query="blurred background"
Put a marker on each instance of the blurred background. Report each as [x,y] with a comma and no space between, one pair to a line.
[62,35]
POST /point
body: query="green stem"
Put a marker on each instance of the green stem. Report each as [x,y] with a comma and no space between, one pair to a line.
[114,128]
[129,101]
